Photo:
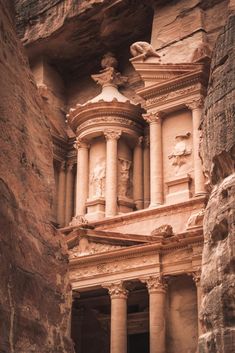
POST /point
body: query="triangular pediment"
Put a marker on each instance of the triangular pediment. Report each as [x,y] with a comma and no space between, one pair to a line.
[87,248]
[87,242]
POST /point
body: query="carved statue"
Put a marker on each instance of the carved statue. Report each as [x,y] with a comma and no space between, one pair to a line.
[124,177]
[144,49]
[164,230]
[180,151]
[202,53]
[109,74]
[98,179]
[196,219]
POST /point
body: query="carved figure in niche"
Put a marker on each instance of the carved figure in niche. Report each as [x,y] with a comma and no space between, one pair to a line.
[98,179]
[180,151]
[124,177]
[144,49]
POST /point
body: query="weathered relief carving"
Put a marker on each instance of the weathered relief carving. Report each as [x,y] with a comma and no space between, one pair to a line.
[196,219]
[113,267]
[78,221]
[143,49]
[89,248]
[180,152]
[124,178]
[165,230]
[98,180]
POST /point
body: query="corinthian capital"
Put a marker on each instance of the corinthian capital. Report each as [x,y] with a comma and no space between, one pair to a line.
[155,283]
[196,103]
[116,290]
[112,134]
[153,117]
[79,143]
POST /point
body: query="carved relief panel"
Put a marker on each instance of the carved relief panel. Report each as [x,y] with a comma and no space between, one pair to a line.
[177,155]
[97,170]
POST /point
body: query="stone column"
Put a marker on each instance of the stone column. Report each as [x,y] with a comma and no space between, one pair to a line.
[61,195]
[82,176]
[199,181]
[138,174]
[197,281]
[111,181]
[156,167]
[69,193]
[146,169]
[157,314]
[118,295]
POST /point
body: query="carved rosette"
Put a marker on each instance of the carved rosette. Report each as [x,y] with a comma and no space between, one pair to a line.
[112,134]
[197,103]
[79,143]
[116,290]
[155,284]
[153,118]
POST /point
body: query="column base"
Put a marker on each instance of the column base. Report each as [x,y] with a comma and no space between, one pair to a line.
[178,189]
[200,193]
[153,205]
[95,209]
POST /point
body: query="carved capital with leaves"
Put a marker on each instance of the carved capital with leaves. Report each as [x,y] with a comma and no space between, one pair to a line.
[153,118]
[155,283]
[112,134]
[116,290]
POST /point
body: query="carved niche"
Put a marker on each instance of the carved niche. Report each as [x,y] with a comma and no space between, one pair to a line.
[180,153]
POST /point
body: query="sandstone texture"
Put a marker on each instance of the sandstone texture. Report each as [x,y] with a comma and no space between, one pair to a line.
[34,290]
[218,151]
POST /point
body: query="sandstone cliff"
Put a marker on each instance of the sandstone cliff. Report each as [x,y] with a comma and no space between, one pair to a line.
[218,152]
[34,288]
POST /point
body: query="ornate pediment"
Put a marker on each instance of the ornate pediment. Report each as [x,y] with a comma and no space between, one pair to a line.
[87,248]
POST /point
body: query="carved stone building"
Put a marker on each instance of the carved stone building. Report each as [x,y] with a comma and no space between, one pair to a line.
[130,188]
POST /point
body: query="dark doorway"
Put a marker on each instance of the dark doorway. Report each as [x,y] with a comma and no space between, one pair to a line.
[138,343]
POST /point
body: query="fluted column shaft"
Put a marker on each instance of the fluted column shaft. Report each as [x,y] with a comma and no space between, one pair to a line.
[111,181]
[157,314]
[156,167]
[61,195]
[82,176]
[138,174]
[118,295]
[146,169]
[199,180]
[69,193]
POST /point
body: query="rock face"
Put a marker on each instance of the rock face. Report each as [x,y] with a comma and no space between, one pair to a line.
[34,288]
[218,151]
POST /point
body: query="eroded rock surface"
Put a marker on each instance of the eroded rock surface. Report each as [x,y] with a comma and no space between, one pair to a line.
[218,151]
[34,287]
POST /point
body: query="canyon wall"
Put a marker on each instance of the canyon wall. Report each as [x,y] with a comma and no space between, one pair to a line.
[35,295]
[218,151]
